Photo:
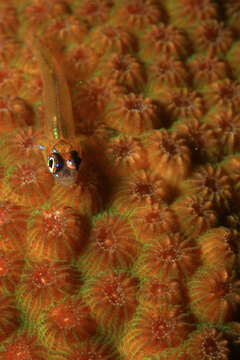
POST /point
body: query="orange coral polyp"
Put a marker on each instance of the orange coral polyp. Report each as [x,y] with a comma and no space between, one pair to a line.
[195,214]
[109,38]
[55,233]
[126,70]
[225,94]
[168,255]
[168,155]
[152,220]
[112,298]
[217,247]
[159,290]
[112,244]
[31,183]
[44,282]
[183,104]
[208,343]
[125,154]
[22,347]
[140,189]
[200,137]
[138,13]
[198,10]
[167,71]
[207,69]
[66,324]
[213,37]
[132,114]
[211,183]
[215,295]
[164,39]
[94,12]
[153,330]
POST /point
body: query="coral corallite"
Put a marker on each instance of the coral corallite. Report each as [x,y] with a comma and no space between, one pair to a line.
[138,13]
[112,244]
[55,233]
[208,343]
[23,347]
[168,255]
[126,153]
[152,220]
[164,39]
[214,295]
[168,155]
[195,214]
[45,281]
[112,298]
[141,188]
[66,323]
[154,329]
[132,114]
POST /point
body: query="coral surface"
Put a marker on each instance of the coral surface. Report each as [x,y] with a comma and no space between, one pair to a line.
[139,258]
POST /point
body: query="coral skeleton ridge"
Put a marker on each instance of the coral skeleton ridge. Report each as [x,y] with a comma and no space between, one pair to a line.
[119,180]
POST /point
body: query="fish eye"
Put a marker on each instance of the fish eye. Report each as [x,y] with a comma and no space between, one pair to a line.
[51,163]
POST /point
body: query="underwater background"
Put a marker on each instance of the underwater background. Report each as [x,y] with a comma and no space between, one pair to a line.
[140,258]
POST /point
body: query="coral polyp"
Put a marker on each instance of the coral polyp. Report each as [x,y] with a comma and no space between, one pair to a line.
[207,69]
[138,13]
[168,255]
[96,347]
[227,125]
[126,70]
[213,37]
[112,244]
[94,12]
[218,247]
[8,20]
[23,347]
[164,39]
[140,189]
[31,183]
[132,114]
[93,97]
[188,12]
[183,103]
[126,153]
[45,281]
[22,143]
[200,137]
[11,266]
[66,323]
[55,232]
[154,329]
[159,290]
[13,225]
[107,38]
[8,48]
[211,183]
[195,214]
[168,155]
[225,94]
[112,299]
[167,71]
[214,295]
[208,343]
[10,318]
[14,112]
[152,220]
[81,62]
